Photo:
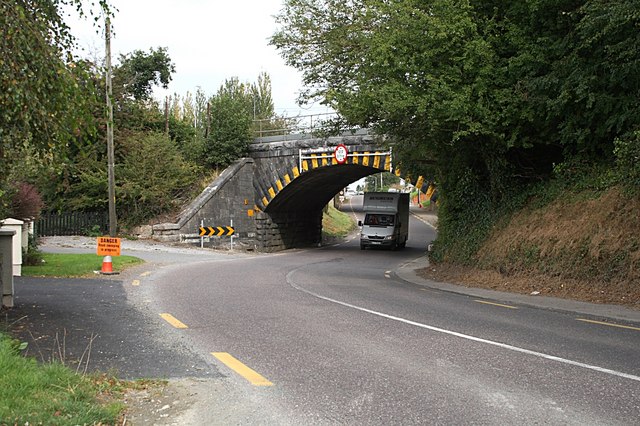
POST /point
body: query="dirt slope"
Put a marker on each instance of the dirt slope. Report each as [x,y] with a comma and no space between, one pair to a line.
[578,247]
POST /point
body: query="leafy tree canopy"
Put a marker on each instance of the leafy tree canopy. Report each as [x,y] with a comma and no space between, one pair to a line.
[139,71]
[487,81]
[43,101]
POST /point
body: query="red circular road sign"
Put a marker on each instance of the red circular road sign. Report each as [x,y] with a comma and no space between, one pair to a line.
[340,154]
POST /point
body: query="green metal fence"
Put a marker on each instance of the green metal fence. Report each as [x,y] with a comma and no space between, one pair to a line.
[74,223]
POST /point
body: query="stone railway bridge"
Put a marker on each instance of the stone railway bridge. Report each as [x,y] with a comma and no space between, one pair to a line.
[275,197]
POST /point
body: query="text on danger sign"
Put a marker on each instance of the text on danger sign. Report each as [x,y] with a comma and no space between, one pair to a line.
[108,246]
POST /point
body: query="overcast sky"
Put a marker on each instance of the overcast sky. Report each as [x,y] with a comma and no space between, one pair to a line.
[209,41]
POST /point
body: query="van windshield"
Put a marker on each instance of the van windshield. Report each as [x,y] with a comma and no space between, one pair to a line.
[379,219]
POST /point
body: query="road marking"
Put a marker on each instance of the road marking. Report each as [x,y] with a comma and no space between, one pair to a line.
[495,304]
[422,220]
[387,274]
[173,321]
[251,375]
[135,282]
[469,337]
[144,274]
[609,324]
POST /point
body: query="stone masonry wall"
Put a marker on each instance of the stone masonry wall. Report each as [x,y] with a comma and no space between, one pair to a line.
[280,231]
[230,197]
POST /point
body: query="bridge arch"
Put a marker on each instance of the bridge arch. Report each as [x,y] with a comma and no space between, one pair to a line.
[305,175]
[314,188]
[295,179]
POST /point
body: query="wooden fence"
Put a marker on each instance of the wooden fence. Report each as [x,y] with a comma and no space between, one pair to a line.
[75,223]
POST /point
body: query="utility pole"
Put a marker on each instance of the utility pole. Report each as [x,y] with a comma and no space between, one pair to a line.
[166,115]
[113,220]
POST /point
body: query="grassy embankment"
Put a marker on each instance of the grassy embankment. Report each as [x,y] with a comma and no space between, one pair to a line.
[572,239]
[336,224]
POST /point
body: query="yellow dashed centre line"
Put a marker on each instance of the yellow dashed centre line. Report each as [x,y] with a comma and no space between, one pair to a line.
[135,282]
[250,375]
[145,274]
[628,327]
[173,321]
[495,304]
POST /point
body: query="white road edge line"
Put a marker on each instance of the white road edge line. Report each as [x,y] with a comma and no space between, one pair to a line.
[422,220]
[469,337]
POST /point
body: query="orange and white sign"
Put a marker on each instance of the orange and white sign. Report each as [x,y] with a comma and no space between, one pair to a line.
[108,246]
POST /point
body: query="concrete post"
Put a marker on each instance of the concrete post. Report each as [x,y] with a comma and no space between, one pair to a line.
[6,266]
[16,226]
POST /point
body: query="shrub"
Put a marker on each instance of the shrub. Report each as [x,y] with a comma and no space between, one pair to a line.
[627,152]
[25,202]
[32,256]
[153,178]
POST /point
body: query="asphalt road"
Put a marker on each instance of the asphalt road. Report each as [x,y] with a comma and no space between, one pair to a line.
[335,336]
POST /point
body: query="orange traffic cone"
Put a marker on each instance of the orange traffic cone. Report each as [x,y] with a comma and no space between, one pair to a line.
[107,266]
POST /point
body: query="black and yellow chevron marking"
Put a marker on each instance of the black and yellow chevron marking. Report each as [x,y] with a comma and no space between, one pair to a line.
[216,231]
[377,159]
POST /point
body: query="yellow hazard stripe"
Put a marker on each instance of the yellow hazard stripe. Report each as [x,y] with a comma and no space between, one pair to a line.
[376,160]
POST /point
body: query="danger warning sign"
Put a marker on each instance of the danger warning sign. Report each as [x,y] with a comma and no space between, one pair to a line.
[108,246]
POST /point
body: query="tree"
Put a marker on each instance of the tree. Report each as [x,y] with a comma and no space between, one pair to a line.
[229,121]
[43,103]
[262,101]
[396,65]
[139,71]
[380,181]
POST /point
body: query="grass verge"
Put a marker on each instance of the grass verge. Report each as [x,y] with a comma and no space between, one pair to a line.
[51,394]
[336,223]
[75,265]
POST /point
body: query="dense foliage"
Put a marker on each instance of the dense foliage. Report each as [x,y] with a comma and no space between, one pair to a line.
[43,102]
[381,181]
[485,97]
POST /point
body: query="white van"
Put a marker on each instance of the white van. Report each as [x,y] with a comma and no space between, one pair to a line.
[386,220]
